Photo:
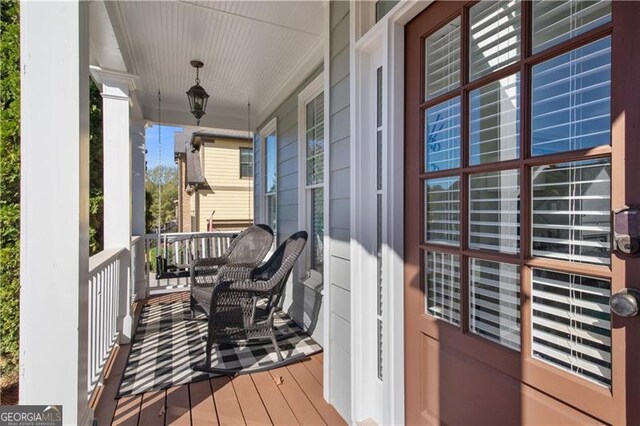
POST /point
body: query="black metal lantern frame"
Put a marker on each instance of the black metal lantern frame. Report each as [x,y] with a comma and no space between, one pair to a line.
[198,97]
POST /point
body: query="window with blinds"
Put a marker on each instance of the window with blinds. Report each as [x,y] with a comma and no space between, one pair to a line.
[442,136]
[442,60]
[271,180]
[494,211]
[494,301]
[246,162]
[571,325]
[314,178]
[571,100]
[442,278]
[442,206]
[507,148]
[571,211]
[558,21]
[379,196]
[494,38]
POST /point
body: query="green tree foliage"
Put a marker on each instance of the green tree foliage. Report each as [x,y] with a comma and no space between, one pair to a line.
[96,195]
[9,187]
[161,204]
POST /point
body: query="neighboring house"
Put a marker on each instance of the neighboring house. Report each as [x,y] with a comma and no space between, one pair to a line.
[215,181]
[457,166]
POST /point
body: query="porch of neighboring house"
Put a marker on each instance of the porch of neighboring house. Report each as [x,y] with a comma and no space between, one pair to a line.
[287,395]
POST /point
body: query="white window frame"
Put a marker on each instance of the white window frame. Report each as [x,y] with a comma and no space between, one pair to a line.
[270,128]
[306,275]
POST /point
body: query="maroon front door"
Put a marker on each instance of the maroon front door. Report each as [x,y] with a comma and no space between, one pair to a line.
[522,123]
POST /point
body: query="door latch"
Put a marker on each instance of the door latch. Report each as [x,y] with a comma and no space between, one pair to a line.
[625,303]
[626,231]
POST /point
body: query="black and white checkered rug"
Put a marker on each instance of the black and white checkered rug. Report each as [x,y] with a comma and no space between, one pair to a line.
[166,346]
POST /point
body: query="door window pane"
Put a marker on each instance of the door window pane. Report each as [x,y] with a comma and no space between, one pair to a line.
[442,136]
[495,121]
[494,211]
[272,208]
[494,301]
[442,209]
[558,21]
[571,100]
[442,280]
[571,211]
[494,40]
[442,60]
[571,326]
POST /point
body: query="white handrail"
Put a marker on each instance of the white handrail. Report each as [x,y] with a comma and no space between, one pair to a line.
[107,283]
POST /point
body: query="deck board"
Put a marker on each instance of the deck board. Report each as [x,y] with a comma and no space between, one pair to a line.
[288,395]
[178,407]
[303,409]
[203,408]
[276,405]
[313,391]
[250,402]
[152,410]
[227,405]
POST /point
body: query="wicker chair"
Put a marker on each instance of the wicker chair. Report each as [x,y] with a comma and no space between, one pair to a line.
[247,250]
[242,309]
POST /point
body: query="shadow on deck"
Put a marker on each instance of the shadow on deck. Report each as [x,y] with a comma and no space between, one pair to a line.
[283,396]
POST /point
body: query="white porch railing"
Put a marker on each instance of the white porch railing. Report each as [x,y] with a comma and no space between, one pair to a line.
[178,250]
[106,285]
[112,273]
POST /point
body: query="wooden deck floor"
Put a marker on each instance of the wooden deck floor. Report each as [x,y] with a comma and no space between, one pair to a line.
[288,395]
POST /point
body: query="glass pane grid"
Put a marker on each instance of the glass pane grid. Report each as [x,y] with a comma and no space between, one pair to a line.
[494,301]
[571,211]
[494,115]
[442,136]
[442,281]
[571,323]
[442,210]
[494,36]
[571,100]
[557,21]
[442,60]
[494,211]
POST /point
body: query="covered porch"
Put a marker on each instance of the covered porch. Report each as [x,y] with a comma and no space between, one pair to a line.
[88,307]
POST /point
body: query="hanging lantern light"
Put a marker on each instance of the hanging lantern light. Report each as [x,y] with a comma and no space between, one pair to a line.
[198,97]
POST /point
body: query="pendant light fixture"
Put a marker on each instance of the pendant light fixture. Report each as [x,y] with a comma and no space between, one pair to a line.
[198,97]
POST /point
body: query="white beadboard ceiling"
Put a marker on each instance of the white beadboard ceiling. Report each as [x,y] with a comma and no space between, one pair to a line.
[251,50]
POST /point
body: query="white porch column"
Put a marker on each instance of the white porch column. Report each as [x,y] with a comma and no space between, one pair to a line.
[54,228]
[138,161]
[118,180]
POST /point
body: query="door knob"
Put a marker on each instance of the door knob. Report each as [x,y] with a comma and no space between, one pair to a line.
[625,303]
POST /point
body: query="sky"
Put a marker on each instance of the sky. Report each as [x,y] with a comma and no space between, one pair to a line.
[166,136]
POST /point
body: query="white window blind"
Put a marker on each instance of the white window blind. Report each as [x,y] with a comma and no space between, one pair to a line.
[442,60]
[558,21]
[571,211]
[571,325]
[442,208]
[315,140]
[571,100]
[494,211]
[442,136]
[442,279]
[317,229]
[495,121]
[494,302]
[494,38]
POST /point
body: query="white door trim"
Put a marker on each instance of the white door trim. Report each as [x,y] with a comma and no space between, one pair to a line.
[386,35]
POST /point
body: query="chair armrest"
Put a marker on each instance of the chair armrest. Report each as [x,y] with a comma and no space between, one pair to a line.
[235,272]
